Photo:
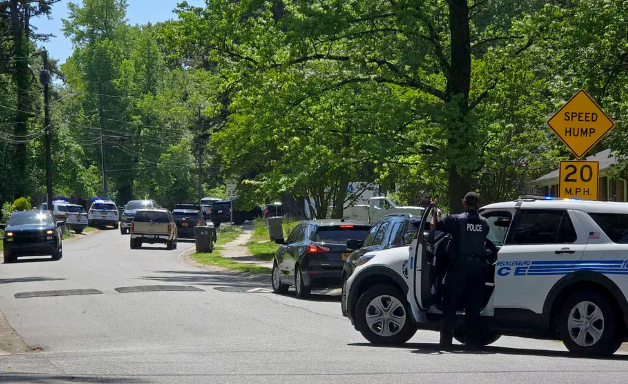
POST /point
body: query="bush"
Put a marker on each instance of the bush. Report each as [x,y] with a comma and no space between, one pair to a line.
[7,208]
[22,204]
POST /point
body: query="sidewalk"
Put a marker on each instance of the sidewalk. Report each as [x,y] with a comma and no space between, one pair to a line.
[238,252]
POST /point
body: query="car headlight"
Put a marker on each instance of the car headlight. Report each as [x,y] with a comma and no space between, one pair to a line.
[365,259]
[9,234]
[50,232]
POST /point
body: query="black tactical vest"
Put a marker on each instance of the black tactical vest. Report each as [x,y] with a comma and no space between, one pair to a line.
[471,234]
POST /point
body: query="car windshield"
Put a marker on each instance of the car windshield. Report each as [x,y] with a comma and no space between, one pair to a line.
[151,217]
[75,208]
[104,206]
[62,208]
[31,218]
[340,234]
[139,204]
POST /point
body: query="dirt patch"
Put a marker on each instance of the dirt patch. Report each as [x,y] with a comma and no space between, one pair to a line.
[10,341]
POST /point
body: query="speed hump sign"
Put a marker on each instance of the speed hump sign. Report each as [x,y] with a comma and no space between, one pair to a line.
[578,179]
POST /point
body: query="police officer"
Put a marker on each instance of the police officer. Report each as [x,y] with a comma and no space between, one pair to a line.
[465,276]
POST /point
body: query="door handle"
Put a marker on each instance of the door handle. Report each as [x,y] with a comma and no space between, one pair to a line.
[564,250]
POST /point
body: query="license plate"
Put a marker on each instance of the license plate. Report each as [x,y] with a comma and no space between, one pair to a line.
[184,224]
[220,211]
[149,236]
[345,256]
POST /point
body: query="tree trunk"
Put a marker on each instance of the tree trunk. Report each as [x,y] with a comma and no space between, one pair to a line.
[457,91]
[22,78]
[341,196]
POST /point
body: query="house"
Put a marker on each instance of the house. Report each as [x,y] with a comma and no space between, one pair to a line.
[609,189]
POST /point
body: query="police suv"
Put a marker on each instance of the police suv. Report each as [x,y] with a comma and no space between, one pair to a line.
[561,273]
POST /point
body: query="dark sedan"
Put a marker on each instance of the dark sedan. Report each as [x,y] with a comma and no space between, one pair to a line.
[187,220]
[32,233]
[313,255]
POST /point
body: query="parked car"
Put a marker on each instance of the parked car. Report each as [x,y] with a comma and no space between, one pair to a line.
[314,254]
[76,217]
[58,209]
[103,213]
[32,233]
[187,220]
[129,212]
[206,206]
[221,213]
[153,226]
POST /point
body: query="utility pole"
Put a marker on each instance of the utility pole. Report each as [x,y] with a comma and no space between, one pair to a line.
[44,79]
[102,144]
[200,156]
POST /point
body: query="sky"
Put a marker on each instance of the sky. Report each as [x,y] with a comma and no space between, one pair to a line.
[138,12]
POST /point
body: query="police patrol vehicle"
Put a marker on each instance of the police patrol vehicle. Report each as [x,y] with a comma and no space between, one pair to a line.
[103,213]
[561,273]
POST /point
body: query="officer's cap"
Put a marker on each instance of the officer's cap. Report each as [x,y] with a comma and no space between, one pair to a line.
[472,198]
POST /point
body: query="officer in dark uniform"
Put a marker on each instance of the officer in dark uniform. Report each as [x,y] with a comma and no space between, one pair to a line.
[465,276]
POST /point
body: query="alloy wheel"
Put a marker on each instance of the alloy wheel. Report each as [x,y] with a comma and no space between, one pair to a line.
[586,323]
[385,316]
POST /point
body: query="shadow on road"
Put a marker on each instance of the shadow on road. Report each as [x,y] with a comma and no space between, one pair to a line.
[433,349]
[316,296]
[38,259]
[28,280]
[211,278]
[47,378]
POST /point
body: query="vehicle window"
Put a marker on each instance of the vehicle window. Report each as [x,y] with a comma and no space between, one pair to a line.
[104,206]
[75,208]
[139,204]
[381,233]
[294,233]
[536,226]
[499,222]
[62,208]
[341,233]
[34,218]
[614,225]
[302,233]
[154,217]
[368,240]
[396,235]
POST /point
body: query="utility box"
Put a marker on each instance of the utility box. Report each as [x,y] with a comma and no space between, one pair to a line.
[204,238]
[275,227]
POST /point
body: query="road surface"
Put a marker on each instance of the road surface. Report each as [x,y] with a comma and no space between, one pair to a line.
[228,330]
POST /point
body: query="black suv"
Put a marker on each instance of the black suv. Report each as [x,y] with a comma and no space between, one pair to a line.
[32,233]
[313,255]
[221,213]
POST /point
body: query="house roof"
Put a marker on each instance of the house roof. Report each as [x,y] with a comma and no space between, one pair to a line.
[606,158]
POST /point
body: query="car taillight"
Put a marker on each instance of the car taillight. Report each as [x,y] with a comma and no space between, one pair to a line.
[115,213]
[316,248]
[91,211]
[346,226]
[169,229]
[132,226]
[199,223]
[66,215]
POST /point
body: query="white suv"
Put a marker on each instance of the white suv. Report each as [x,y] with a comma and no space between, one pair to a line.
[103,213]
[561,273]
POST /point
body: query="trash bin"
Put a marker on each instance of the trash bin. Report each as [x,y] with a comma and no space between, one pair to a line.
[204,237]
[275,227]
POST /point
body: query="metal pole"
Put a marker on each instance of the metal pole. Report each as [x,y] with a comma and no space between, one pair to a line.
[102,143]
[45,80]
[200,156]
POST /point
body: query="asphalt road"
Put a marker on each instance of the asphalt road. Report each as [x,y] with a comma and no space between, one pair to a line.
[227,335]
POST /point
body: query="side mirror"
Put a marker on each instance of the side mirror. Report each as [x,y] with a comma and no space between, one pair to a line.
[3,226]
[60,224]
[408,237]
[354,244]
[280,241]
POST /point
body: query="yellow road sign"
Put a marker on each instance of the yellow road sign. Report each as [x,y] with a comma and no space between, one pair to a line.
[578,179]
[580,123]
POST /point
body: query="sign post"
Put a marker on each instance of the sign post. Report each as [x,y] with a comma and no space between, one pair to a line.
[580,124]
[232,194]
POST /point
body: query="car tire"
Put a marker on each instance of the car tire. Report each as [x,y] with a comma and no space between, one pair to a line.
[303,291]
[278,286]
[170,245]
[9,258]
[122,230]
[488,337]
[116,225]
[136,244]
[594,311]
[78,231]
[379,300]
[342,295]
[57,255]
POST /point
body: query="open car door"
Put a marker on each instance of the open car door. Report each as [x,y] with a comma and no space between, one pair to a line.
[420,266]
